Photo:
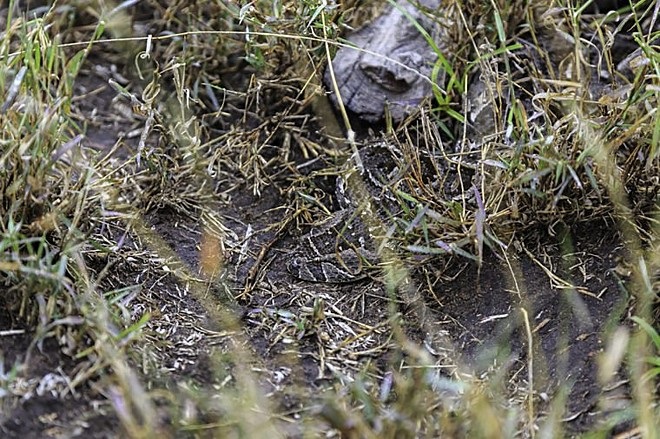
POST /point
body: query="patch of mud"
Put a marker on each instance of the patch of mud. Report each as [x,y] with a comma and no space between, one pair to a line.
[51,417]
[569,325]
[38,411]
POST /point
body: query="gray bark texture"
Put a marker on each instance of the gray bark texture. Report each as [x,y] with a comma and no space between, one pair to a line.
[390,63]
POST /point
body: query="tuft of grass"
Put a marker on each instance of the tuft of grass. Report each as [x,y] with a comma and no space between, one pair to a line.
[45,188]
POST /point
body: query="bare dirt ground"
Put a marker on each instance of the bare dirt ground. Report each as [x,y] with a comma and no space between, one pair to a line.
[561,285]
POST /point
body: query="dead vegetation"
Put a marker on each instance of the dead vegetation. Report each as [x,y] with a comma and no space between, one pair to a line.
[156,175]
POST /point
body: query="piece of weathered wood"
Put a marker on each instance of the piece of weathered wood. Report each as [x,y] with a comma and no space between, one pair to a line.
[391,62]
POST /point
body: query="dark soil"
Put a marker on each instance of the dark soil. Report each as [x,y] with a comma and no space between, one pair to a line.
[44,411]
